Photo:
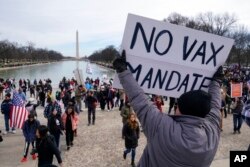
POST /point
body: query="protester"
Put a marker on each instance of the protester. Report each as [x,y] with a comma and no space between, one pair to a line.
[102,97]
[237,118]
[29,132]
[70,121]
[78,96]
[190,138]
[31,106]
[50,107]
[158,101]
[6,109]
[110,98]
[122,98]
[55,126]
[125,112]
[92,103]
[172,103]
[46,148]
[131,133]
[72,103]
[42,96]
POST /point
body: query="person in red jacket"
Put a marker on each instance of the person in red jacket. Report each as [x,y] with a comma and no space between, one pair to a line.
[70,121]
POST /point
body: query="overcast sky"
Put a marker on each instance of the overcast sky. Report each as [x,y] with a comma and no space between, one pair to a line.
[52,24]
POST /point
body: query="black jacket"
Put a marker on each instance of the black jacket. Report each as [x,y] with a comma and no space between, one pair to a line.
[55,124]
[46,148]
[131,136]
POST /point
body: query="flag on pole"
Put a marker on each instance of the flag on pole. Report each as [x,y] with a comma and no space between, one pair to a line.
[18,113]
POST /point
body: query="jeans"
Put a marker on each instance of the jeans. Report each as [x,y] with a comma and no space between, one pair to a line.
[91,111]
[57,138]
[237,122]
[7,125]
[69,137]
[133,152]
[26,148]
[121,104]
[110,101]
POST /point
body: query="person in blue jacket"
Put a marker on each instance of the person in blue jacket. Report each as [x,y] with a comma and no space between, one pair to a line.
[29,132]
[6,109]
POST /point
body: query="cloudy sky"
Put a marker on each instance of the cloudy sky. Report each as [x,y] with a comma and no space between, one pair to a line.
[52,24]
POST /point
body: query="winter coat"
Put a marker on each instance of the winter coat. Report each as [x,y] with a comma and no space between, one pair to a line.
[55,124]
[175,141]
[74,120]
[238,107]
[131,136]
[46,148]
[29,130]
[91,101]
[50,107]
[6,107]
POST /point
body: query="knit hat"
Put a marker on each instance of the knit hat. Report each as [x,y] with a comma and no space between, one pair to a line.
[195,103]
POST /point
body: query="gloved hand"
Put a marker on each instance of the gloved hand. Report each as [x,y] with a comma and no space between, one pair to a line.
[219,75]
[120,63]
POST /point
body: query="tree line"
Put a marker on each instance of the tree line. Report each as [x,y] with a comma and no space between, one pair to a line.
[13,52]
[219,24]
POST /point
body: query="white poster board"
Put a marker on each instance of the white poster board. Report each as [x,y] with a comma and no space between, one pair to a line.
[168,59]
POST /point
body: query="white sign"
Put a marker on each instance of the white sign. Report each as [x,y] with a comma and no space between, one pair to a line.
[168,59]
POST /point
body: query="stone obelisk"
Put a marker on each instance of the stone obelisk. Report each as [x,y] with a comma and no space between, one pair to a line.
[77,50]
[78,72]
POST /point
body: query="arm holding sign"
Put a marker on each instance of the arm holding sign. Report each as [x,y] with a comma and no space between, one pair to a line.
[147,112]
[214,115]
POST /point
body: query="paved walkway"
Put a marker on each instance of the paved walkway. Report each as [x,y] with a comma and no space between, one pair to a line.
[101,145]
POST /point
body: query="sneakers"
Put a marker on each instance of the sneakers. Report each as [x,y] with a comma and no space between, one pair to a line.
[71,144]
[24,159]
[13,131]
[5,133]
[68,148]
[34,156]
[133,163]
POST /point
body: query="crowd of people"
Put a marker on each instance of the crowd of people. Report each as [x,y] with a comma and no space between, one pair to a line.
[63,106]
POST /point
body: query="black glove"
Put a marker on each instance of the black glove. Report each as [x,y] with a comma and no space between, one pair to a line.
[120,63]
[219,75]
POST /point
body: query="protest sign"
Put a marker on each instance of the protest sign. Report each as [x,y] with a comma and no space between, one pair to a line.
[236,90]
[168,59]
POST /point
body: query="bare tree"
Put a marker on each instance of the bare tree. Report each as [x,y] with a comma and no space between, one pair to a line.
[220,24]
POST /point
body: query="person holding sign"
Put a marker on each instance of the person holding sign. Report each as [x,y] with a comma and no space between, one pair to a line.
[237,119]
[190,137]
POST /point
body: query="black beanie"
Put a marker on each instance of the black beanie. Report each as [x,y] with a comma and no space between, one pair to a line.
[195,103]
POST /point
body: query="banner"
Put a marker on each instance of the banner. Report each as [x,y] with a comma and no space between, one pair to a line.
[236,90]
[168,59]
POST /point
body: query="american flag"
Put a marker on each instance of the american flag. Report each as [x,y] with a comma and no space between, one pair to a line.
[18,114]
